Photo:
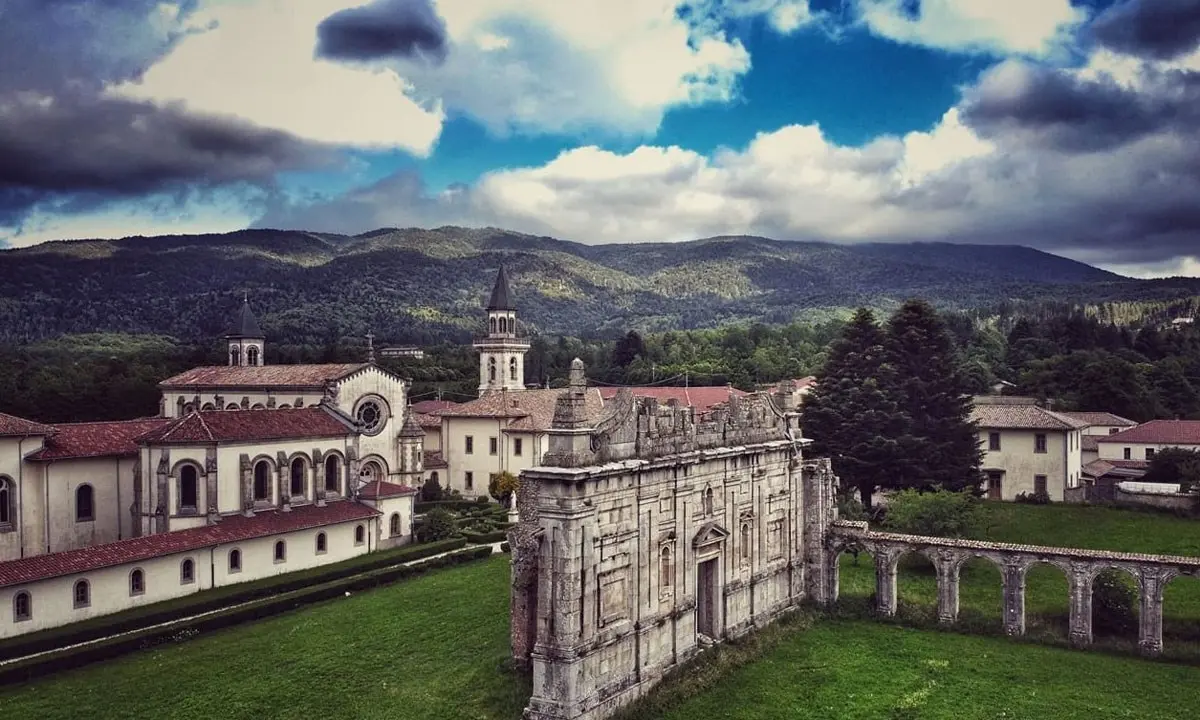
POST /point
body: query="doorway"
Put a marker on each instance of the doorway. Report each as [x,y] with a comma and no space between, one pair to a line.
[995,489]
[706,598]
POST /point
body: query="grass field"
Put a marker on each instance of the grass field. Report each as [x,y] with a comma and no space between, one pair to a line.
[1046,587]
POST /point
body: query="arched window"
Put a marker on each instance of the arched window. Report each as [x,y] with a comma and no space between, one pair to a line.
[233,406]
[189,488]
[280,551]
[262,480]
[360,535]
[297,486]
[187,572]
[252,355]
[666,569]
[83,594]
[6,501]
[137,582]
[85,507]
[332,474]
[208,407]
[235,560]
[512,368]
[492,325]
[322,543]
[235,355]
[434,477]
[745,541]
[708,501]
[258,406]
[492,370]
[503,325]
[22,606]
[395,525]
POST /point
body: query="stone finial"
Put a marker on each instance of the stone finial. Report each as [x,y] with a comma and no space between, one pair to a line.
[570,411]
[578,377]
[411,429]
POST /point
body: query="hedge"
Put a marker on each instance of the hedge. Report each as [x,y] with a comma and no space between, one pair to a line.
[494,536]
[274,605]
[423,507]
[215,598]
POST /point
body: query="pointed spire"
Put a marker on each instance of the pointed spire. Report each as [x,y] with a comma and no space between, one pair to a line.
[501,298]
[245,325]
[412,428]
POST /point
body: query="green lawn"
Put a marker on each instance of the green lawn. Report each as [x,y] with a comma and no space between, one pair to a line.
[1046,587]
[847,670]
[432,647]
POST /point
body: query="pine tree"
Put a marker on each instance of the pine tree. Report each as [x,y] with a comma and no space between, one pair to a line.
[848,414]
[941,445]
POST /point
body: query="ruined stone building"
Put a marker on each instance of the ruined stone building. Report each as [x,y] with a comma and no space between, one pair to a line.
[652,532]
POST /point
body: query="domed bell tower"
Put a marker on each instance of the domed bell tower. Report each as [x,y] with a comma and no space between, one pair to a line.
[501,352]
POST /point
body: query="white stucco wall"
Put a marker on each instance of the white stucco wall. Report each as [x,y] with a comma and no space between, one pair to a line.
[1137,451]
[1103,429]
[1061,463]
[24,482]
[482,463]
[111,479]
[373,381]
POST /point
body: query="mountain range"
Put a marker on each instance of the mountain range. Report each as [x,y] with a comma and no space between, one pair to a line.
[427,285]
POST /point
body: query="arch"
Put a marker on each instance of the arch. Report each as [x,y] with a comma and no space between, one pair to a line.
[298,476]
[285,406]
[208,407]
[187,571]
[433,476]
[666,568]
[744,541]
[235,560]
[22,606]
[1180,616]
[1047,597]
[707,501]
[394,525]
[81,593]
[280,551]
[7,506]
[360,534]
[322,543]
[235,355]
[258,406]
[85,503]
[373,468]
[137,582]
[181,405]
[189,487]
[333,473]
[263,469]
[233,406]
[512,368]
[1111,586]
[915,580]
[491,369]
[492,325]
[252,355]
[980,588]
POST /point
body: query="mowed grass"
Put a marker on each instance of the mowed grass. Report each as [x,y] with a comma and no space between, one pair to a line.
[857,669]
[1046,596]
[432,647]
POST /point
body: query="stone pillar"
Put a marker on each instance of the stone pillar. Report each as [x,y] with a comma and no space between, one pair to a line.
[210,484]
[1150,641]
[947,565]
[819,506]
[558,670]
[525,542]
[283,476]
[1080,581]
[885,581]
[247,477]
[1014,598]
[162,491]
[318,461]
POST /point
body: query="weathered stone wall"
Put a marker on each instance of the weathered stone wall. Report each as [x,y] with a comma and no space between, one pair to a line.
[1162,501]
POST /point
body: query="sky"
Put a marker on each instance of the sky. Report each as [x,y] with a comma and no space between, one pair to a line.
[1071,126]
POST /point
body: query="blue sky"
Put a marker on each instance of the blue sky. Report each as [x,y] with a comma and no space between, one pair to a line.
[1067,126]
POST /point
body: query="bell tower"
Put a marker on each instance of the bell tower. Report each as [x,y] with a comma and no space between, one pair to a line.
[501,352]
[245,338]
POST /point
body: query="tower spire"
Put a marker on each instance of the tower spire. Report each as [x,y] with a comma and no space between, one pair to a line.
[501,352]
[370,346]
[245,338]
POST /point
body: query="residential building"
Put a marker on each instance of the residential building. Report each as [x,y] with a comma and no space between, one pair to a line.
[1027,448]
[1099,424]
[1143,441]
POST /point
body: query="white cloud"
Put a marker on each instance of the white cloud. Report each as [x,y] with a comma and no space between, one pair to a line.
[1176,267]
[784,16]
[257,63]
[1032,27]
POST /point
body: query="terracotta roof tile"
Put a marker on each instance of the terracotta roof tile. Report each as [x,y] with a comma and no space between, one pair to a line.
[430,407]
[377,489]
[433,459]
[13,426]
[428,421]
[1022,417]
[1159,432]
[530,410]
[1090,443]
[703,398]
[1100,418]
[249,376]
[96,439]
[231,529]
[1124,468]
[256,425]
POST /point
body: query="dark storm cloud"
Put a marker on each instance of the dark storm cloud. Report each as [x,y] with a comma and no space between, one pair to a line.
[1158,29]
[384,29]
[1082,114]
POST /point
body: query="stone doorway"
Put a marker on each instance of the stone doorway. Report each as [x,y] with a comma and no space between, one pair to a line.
[707,593]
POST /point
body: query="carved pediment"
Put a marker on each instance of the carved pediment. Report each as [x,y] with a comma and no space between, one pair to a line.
[709,534]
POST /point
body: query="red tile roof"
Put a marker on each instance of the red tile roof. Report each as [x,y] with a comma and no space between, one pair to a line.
[1089,442]
[1100,418]
[379,489]
[702,398]
[252,425]
[96,439]
[13,426]
[428,421]
[431,407]
[1022,417]
[1159,432]
[1124,468]
[231,529]
[530,410]
[250,376]
[434,459]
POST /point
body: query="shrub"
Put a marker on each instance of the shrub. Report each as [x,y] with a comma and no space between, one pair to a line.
[851,508]
[437,524]
[1035,498]
[1112,604]
[940,513]
[431,491]
[505,547]
[502,486]
[482,500]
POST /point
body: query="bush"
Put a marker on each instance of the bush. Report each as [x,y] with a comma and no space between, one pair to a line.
[482,500]
[1113,599]
[485,538]
[851,508]
[1036,498]
[940,513]
[437,524]
[431,491]
[505,547]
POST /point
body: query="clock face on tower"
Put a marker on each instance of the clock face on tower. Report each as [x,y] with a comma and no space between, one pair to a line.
[371,414]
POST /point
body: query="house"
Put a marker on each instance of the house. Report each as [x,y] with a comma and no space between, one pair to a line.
[1027,448]
[1143,441]
[1099,424]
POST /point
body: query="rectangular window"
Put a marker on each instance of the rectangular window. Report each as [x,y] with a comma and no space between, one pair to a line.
[993,441]
[1149,453]
[493,446]
[517,447]
[1128,454]
[1039,484]
[1114,431]
[470,480]
[1039,443]
[470,444]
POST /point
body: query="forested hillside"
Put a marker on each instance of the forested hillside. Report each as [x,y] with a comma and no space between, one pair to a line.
[426,286]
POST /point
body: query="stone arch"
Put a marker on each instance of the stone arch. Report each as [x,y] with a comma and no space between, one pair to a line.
[258,406]
[1047,596]
[491,369]
[235,355]
[233,406]
[332,469]
[262,478]
[372,468]
[492,325]
[852,571]
[207,407]
[512,368]
[1177,589]
[978,579]
[252,355]
[394,525]
[1131,578]
[298,471]
[8,501]
[188,478]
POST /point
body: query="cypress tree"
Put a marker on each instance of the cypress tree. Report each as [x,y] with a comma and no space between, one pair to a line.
[940,447]
[848,414]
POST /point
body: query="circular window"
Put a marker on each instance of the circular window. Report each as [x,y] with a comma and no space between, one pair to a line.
[370,415]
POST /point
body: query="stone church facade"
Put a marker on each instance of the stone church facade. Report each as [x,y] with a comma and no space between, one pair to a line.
[651,532]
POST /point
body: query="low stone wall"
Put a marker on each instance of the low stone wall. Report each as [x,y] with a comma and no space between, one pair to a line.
[1163,501]
[1151,573]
